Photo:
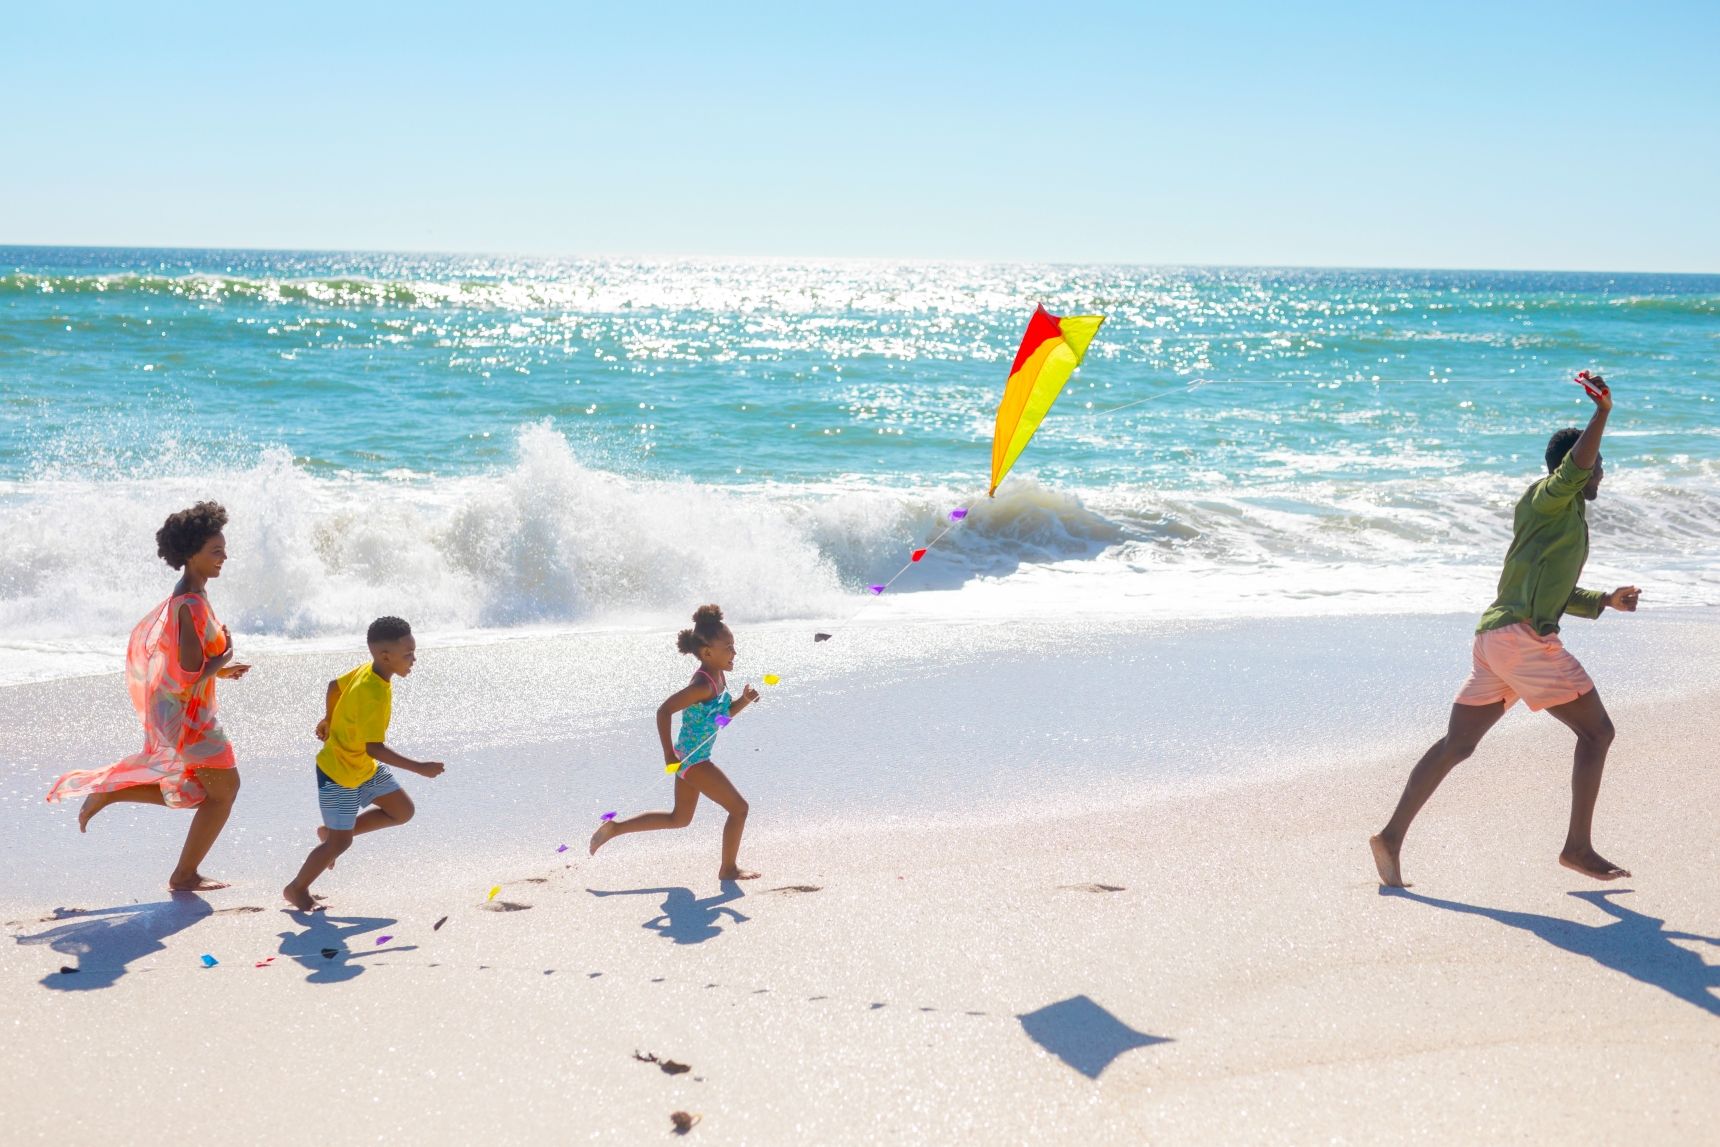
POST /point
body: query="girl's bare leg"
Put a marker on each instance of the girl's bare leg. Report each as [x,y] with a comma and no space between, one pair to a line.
[711,782]
[686,800]
[221,788]
[137,794]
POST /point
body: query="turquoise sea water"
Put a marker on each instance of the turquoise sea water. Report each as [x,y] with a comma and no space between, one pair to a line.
[517,442]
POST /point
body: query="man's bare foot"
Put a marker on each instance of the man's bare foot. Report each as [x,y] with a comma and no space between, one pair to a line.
[322,838]
[300,898]
[735,874]
[196,882]
[1591,863]
[93,804]
[1386,860]
[601,836]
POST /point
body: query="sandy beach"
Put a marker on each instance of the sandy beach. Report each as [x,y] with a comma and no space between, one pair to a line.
[1171,958]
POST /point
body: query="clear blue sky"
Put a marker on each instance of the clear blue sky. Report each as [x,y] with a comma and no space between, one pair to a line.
[1545,135]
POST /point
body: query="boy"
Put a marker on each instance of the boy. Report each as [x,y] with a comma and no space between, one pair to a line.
[352,768]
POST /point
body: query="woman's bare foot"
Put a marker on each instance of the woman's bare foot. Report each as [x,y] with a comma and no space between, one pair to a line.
[322,838]
[1386,860]
[196,882]
[736,873]
[299,898]
[601,836]
[1591,863]
[93,804]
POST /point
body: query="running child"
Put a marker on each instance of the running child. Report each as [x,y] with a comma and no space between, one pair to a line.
[352,768]
[705,707]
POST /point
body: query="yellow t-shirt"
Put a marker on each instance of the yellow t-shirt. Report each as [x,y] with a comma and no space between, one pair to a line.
[360,717]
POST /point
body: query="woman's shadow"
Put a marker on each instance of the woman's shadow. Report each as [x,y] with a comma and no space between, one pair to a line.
[323,949]
[685,918]
[106,940]
[1632,943]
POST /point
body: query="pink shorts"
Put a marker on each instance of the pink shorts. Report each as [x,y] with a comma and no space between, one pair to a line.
[1515,661]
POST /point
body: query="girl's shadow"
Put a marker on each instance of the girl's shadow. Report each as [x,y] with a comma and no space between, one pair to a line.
[685,918]
[322,948]
[1632,943]
[106,940]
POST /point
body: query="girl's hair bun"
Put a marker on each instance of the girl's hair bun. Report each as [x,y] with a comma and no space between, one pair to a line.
[707,623]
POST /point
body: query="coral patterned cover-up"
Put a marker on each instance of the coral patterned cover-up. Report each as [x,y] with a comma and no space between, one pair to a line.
[180,733]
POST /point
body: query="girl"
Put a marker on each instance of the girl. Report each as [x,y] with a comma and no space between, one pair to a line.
[171,664]
[688,757]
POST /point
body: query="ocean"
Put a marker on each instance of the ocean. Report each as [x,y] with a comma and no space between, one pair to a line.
[496,446]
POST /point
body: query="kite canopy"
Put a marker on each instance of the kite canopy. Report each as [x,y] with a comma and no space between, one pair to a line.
[1049,354]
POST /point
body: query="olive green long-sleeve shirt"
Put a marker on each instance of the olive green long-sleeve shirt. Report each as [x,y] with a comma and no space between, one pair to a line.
[1549,544]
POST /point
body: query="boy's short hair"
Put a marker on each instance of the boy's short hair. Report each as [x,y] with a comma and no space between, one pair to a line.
[1559,445]
[386,629]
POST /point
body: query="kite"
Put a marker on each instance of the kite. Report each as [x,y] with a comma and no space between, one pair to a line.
[1050,351]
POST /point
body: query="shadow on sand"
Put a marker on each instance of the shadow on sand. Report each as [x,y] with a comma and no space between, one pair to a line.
[1083,1035]
[1635,944]
[107,940]
[685,918]
[323,948]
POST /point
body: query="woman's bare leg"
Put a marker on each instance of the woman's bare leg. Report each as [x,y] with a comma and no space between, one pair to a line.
[221,788]
[136,794]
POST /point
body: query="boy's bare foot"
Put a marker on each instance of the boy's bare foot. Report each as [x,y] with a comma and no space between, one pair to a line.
[735,874]
[1591,863]
[322,838]
[93,804]
[196,882]
[1386,860]
[601,836]
[300,898]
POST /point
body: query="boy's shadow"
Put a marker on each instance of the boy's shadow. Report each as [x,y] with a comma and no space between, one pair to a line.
[321,948]
[685,918]
[106,940]
[1633,943]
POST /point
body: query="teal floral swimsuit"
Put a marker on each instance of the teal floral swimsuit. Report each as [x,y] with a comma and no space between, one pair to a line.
[699,725]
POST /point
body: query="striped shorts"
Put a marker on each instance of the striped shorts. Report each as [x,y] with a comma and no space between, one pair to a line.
[340,804]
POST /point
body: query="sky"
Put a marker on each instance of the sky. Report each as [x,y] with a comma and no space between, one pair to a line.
[1575,135]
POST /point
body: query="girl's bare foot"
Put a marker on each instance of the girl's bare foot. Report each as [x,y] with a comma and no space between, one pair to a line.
[299,898]
[736,873]
[322,838]
[1591,863]
[93,804]
[1386,860]
[601,836]
[196,882]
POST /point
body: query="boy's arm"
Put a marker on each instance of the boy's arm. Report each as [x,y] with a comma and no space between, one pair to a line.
[691,695]
[328,716]
[388,756]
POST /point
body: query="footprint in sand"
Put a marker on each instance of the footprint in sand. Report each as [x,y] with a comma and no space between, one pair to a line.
[791,889]
[530,880]
[242,910]
[1093,888]
[503,906]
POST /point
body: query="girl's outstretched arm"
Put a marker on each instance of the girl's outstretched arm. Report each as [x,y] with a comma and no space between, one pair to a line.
[700,690]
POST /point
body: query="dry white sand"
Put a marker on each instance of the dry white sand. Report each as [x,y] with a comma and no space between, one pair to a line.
[958,979]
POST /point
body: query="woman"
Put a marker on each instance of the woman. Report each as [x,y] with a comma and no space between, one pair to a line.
[171,664]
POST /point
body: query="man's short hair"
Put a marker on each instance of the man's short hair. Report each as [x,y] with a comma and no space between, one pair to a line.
[386,629]
[1559,445]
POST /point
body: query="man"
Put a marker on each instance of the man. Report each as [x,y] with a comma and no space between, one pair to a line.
[1518,653]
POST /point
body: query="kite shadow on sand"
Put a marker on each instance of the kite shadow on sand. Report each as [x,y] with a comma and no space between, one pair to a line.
[687,919]
[1633,943]
[106,940]
[323,948]
[1083,1034]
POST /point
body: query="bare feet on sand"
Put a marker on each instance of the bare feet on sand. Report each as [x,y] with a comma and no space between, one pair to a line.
[735,874]
[601,836]
[93,804]
[1386,860]
[300,898]
[196,882]
[1591,863]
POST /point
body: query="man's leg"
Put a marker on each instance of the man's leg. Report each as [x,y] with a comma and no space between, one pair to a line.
[1587,718]
[1468,724]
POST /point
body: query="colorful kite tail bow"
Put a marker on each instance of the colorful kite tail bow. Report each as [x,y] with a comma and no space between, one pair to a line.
[875,589]
[916,555]
[958,515]
[1050,351]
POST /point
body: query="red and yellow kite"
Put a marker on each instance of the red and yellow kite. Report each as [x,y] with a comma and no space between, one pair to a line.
[1049,354]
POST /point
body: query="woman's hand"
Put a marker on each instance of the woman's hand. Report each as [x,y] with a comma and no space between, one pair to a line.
[232,672]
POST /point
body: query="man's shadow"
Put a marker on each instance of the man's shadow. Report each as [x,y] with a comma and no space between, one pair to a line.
[323,948]
[106,940]
[1633,943]
[685,918]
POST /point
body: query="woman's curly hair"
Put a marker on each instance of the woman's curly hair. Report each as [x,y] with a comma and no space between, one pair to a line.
[707,624]
[184,533]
